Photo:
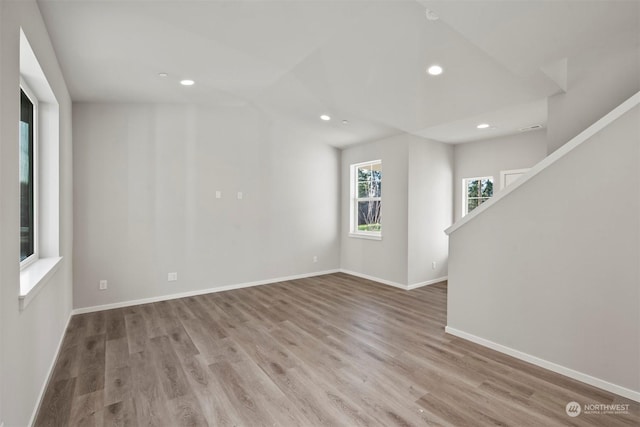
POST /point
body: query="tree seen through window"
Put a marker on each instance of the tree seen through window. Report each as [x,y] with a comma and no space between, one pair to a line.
[478,191]
[369,197]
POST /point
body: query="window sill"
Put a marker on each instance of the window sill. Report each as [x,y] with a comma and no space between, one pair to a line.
[366,236]
[34,277]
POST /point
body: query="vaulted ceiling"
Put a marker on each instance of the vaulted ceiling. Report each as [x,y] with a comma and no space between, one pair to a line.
[360,61]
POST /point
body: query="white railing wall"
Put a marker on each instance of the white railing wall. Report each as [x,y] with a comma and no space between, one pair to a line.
[548,271]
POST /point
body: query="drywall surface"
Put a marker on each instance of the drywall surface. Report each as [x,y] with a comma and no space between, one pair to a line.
[551,269]
[387,258]
[416,209]
[489,157]
[597,82]
[2,227]
[430,209]
[29,338]
[146,204]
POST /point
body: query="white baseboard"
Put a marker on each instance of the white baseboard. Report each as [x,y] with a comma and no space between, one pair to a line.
[428,282]
[49,373]
[576,375]
[374,279]
[121,304]
[394,284]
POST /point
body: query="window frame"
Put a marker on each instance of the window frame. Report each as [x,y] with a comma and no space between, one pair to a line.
[465,195]
[35,166]
[353,193]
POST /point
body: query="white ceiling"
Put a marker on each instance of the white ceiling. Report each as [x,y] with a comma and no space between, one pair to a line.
[363,61]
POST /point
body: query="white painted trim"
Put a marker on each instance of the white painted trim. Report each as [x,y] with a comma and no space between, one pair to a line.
[34,277]
[576,375]
[503,175]
[615,114]
[394,284]
[374,279]
[121,304]
[427,283]
[368,236]
[49,372]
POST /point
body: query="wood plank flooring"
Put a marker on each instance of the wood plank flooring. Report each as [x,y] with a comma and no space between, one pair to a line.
[332,350]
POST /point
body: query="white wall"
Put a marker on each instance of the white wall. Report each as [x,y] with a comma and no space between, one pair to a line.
[387,258]
[489,157]
[29,338]
[430,209]
[2,227]
[551,269]
[597,82]
[146,179]
[416,209]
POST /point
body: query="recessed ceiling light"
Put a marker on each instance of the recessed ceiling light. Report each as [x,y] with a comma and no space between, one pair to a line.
[163,75]
[483,126]
[434,70]
[325,117]
[345,122]
[187,82]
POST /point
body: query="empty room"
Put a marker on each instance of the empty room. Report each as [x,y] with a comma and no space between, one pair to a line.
[319,213]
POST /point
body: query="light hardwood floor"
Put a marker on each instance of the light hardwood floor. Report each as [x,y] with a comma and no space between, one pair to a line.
[332,350]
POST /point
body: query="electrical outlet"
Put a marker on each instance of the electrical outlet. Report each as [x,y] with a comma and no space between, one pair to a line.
[172,277]
[434,265]
[218,194]
[103,285]
[315,258]
[240,195]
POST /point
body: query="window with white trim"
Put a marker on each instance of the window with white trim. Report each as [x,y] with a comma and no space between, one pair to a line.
[366,199]
[38,140]
[475,192]
[28,176]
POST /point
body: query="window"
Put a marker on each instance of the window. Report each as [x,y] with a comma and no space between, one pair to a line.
[366,199]
[27,168]
[38,139]
[476,191]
